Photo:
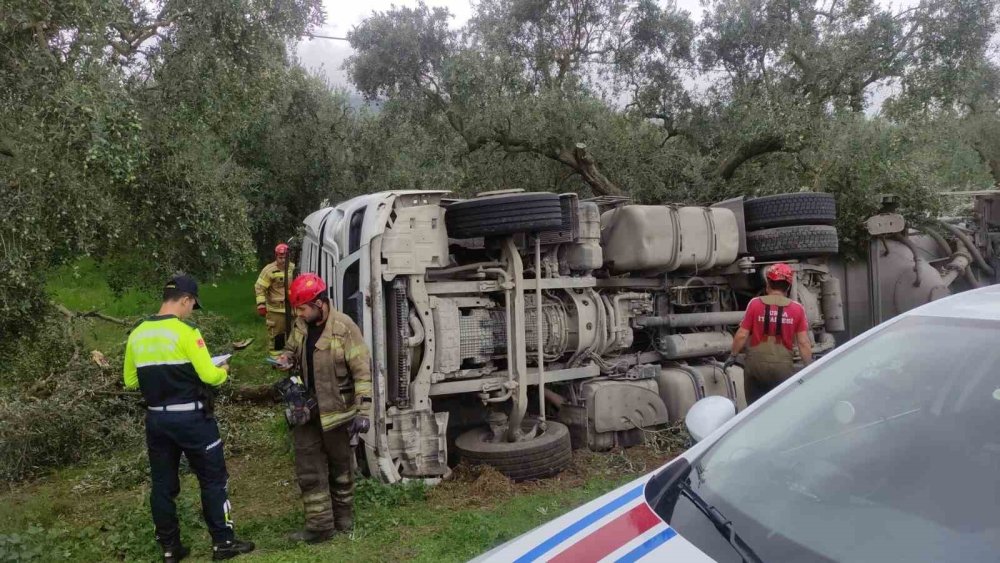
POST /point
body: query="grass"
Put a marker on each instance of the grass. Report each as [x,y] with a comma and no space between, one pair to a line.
[99,511]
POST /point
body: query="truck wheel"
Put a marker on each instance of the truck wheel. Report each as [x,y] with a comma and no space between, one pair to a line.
[807,208]
[793,242]
[503,215]
[542,456]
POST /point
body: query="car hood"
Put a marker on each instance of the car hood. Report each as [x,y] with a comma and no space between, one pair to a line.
[619,526]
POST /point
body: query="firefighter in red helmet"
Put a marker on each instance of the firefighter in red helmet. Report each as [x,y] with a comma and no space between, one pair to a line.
[773,325]
[329,350]
[270,291]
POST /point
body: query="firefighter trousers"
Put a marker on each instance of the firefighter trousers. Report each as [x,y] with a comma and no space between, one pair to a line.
[324,471]
[168,435]
[275,332]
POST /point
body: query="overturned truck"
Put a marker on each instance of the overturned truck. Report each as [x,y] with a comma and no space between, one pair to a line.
[509,328]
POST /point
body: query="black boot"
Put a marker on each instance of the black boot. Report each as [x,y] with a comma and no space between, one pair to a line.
[230,549]
[175,553]
[312,536]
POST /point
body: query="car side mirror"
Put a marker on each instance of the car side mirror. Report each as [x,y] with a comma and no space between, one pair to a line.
[707,415]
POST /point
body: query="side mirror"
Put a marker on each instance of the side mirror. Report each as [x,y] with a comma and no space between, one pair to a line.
[707,415]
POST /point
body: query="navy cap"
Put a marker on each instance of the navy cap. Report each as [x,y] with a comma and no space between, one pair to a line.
[185,283]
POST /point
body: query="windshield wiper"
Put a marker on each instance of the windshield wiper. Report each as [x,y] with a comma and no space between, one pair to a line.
[721,523]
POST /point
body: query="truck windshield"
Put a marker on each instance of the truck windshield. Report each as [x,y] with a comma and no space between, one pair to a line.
[889,452]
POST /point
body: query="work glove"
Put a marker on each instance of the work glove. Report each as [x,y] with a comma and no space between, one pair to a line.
[730,362]
[358,426]
[262,310]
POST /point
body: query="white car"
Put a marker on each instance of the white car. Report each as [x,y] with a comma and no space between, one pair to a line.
[888,449]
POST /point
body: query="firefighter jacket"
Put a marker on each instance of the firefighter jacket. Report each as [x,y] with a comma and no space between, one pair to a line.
[166,358]
[270,287]
[341,368]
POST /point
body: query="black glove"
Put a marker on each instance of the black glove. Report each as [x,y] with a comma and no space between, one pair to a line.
[298,403]
[730,362]
[358,426]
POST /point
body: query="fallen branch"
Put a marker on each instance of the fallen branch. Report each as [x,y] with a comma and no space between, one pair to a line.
[258,394]
[90,314]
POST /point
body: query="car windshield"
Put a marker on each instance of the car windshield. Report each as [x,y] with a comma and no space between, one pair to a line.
[888,452]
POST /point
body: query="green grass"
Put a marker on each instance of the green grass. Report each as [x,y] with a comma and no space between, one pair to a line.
[81,286]
[99,511]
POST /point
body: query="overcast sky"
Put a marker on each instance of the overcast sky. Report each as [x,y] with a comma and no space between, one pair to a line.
[325,56]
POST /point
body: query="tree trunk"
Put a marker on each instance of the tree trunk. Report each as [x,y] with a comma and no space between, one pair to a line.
[748,151]
[582,162]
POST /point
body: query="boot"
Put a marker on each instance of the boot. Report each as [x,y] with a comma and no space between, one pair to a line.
[312,536]
[343,518]
[175,553]
[230,549]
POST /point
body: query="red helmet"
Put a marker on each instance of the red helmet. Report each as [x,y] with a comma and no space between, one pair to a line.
[281,249]
[305,289]
[780,272]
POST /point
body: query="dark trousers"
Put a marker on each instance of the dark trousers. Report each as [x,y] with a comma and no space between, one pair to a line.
[323,468]
[168,434]
[768,365]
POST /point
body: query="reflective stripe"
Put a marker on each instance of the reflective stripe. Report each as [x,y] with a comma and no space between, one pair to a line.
[354,352]
[152,333]
[180,407]
[213,444]
[334,419]
[163,363]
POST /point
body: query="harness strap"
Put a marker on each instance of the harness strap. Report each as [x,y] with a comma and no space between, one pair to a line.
[779,327]
[767,320]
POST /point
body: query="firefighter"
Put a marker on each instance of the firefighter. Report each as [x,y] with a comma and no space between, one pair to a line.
[166,359]
[329,349]
[773,324]
[270,290]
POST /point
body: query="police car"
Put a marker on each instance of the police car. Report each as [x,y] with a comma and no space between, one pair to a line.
[887,449]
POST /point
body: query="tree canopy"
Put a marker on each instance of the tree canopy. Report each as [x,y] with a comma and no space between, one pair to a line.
[635,98]
[173,134]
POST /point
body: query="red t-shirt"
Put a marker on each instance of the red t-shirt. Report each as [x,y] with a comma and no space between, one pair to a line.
[793,321]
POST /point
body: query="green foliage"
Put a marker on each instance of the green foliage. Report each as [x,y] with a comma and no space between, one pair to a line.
[118,131]
[372,493]
[58,407]
[66,409]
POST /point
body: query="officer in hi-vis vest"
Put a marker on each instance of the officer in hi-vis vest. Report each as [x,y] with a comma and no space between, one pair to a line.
[166,358]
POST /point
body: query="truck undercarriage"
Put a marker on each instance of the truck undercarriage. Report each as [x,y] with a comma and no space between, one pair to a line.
[509,328]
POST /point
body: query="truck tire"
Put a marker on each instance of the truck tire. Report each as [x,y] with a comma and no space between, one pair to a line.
[540,457]
[793,242]
[504,215]
[807,208]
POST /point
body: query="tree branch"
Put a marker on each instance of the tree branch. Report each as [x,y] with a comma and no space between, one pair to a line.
[95,314]
[759,147]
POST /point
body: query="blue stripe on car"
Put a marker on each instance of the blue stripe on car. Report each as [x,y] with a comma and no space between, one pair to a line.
[574,528]
[647,546]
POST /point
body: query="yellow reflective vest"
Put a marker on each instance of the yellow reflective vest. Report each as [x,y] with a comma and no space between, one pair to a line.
[167,359]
